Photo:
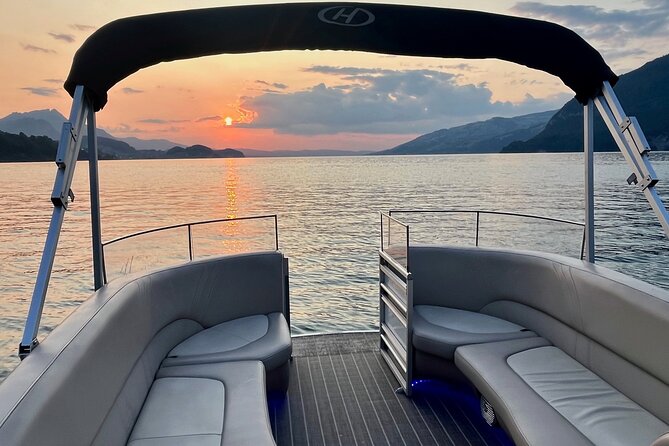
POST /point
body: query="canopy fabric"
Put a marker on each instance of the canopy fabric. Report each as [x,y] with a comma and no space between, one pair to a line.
[125,46]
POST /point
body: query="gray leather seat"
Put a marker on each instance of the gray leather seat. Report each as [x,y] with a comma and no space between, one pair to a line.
[440,330]
[260,337]
[203,405]
[547,398]
[93,374]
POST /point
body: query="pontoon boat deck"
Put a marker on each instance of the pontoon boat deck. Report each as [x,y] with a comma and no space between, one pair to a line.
[474,343]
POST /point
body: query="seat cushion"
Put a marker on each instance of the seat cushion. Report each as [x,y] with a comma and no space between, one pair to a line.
[604,415]
[525,415]
[260,337]
[518,376]
[206,404]
[181,411]
[440,330]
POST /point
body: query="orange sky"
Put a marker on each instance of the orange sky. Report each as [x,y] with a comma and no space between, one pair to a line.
[179,100]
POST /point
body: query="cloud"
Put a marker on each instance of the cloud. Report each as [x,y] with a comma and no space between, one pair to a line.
[69,38]
[383,101]
[38,49]
[124,128]
[54,81]
[161,121]
[277,85]
[128,90]
[41,91]
[79,27]
[459,66]
[617,33]
[347,71]
[209,118]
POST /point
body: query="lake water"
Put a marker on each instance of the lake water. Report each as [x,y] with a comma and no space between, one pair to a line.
[328,218]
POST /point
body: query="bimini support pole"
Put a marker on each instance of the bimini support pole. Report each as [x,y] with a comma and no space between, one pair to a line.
[66,159]
[588,156]
[96,229]
[631,141]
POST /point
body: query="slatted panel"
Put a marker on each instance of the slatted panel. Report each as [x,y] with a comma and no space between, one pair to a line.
[343,393]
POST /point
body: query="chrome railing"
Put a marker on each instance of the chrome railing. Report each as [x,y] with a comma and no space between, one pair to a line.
[396,300]
[171,256]
[478,214]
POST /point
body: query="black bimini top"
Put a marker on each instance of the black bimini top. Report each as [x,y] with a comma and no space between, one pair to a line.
[125,46]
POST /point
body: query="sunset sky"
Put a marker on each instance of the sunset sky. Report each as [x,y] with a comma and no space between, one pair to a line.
[307,100]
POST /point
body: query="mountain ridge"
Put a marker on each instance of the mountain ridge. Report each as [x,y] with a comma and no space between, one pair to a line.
[488,136]
[22,147]
[48,122]
[643,93]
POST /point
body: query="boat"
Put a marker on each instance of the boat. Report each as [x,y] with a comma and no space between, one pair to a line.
[475,345]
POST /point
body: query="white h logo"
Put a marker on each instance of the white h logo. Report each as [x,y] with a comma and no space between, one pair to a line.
[346,16]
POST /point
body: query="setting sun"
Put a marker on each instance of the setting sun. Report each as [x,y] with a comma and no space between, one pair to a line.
[228,120]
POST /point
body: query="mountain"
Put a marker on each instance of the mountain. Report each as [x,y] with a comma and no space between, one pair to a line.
[22,147]
[149,144]
[49,122]
[644,93]
[122,150]
[200,151]
[478,137]
[35,123]
[297,153]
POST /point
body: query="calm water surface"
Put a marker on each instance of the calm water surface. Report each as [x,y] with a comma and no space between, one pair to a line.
[328,220]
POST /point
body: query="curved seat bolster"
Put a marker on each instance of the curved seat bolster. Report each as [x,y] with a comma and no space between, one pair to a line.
[273,349]
[598,410]
[246,420]
[442,341]
[526,416]
[119,420]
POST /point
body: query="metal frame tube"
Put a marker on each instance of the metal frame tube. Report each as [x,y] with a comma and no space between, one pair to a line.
[632,143]
[66,159]
[29,340]
[96,227]
[588,157]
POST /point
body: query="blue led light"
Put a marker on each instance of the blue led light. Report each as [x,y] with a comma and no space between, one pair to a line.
[462,396]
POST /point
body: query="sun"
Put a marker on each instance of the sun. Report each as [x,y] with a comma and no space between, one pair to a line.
[228,121]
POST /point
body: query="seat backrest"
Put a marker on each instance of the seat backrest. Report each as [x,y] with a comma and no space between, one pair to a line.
[86,383]
[611,323]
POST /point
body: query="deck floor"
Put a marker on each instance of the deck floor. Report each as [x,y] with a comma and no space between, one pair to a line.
[342,393]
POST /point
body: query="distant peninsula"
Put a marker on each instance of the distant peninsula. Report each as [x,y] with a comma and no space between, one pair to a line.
[21,147]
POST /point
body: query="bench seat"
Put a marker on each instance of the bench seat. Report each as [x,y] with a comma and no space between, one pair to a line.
[263,337]
[205,404]
[545,397]
[440,330]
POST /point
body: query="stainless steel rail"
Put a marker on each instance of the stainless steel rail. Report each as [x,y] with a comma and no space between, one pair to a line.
[478,213]
[190,225]
[201,222]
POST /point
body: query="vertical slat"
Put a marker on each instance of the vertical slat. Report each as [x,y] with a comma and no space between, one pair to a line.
[190,242]
[276,233]
[286,291]
[588,155]
[478,216]
[96,227]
